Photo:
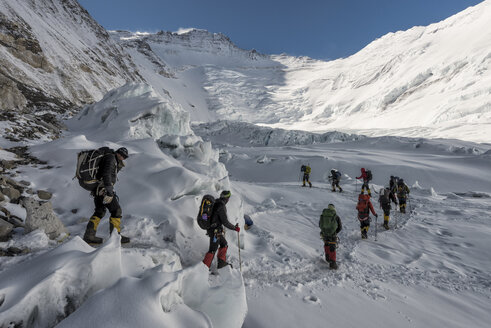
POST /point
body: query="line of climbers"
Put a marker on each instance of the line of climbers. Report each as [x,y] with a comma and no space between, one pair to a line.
[330,223]
[334,178]
[97,172]
[387,195]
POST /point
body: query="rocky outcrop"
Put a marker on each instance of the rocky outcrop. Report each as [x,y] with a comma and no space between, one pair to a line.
[40,215]
[55,57]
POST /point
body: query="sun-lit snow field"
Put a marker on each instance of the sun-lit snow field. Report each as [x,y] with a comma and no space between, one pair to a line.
[432,271]
[429,81]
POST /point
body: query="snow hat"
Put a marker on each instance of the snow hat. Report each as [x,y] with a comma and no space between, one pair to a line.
[331,207]
[123,152]
[225,194]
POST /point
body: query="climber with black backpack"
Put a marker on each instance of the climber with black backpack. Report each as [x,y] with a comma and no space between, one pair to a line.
[97,172]
[366,175]
[402,194]
[385,198]
[217,218]
[335,178]
[364,206]
[330,225]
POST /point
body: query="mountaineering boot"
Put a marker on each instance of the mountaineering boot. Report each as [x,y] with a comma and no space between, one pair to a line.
[340,189]
[333,265]
[386,223]
[116,223]
[222,257]
[222,264]
[333,190]
[208,259]
[364,231]
[90,230]
[310,184]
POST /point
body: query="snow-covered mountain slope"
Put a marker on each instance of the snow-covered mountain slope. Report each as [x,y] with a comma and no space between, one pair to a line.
[160,187]
[179,65]
[54,56]
[428,81]
[434,257]
[431,81]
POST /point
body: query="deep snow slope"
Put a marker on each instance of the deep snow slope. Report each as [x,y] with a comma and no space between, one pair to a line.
[430,270]
[429,81]
[159,188]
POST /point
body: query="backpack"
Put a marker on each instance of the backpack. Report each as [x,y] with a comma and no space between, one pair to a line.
[369,175]
[205,214]
[385,196]
[362,205]
[328,222]
[338,175]
[88,165]
[303,168]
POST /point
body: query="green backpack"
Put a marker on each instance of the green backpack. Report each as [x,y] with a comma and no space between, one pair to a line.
[328,222]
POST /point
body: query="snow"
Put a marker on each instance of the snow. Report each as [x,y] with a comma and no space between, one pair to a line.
[432,270]
[429,81]
[409,104]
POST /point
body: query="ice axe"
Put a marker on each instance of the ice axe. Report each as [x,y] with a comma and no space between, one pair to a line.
[238,246]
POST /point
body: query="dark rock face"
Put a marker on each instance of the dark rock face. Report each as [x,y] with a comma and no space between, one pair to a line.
[55,59]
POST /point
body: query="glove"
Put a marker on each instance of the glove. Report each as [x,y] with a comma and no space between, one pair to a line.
[107,199]
[237,228]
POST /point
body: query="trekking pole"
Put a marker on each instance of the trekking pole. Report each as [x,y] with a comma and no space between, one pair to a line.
[376,217]
[409,202]
[395,217]
[238,246]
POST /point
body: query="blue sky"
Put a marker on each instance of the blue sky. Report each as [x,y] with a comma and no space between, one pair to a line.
[322,29]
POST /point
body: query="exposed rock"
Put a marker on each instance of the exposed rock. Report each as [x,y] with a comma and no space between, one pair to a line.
[5,230]
[41,215]
[6,181]
[12,193]
[15,221]
[5,211]
[8,165]
[2,197]
[12,251]
[45,195]
[25,183]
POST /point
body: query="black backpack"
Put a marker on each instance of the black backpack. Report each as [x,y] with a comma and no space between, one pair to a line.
[303,168]
[385,196]
[369,175]
[205,214]
[88,165]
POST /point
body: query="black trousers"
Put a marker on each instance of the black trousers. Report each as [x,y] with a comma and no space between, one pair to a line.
[386,209]
[113,207]
[217,240]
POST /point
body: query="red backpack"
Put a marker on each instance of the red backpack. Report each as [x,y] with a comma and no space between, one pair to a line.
[362,206]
